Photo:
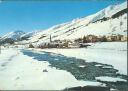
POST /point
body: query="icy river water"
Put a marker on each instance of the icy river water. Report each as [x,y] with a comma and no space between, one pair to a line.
[79,68]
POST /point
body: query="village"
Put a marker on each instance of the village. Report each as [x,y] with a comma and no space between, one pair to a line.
[67,43]
[80,42]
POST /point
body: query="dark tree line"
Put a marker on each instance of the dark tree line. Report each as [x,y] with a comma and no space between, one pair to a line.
[7,40]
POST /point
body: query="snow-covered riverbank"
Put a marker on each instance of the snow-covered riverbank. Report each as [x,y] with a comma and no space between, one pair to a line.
[21,72]
[113,53]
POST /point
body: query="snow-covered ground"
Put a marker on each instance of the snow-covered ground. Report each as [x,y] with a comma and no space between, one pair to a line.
[110,79]
[21,72]
[113,53]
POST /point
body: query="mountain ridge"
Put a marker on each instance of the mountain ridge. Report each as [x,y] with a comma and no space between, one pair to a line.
[100,23]
[110,20]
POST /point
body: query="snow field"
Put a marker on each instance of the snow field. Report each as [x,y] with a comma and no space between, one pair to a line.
[113,53]
[25,73]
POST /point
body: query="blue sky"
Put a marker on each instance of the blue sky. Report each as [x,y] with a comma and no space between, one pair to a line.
[38,15]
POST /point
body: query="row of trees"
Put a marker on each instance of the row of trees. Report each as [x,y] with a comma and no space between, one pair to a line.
[7,40]
[93,38]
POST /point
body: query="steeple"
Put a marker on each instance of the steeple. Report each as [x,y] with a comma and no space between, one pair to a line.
[50,38]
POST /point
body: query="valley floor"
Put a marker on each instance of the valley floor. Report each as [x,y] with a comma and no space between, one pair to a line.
[30,69]
[21,72]
[113,53]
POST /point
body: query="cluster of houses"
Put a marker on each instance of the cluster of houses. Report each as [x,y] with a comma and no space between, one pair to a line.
[56,44]
[61,44]
[117,38]
[109,38]
[80,42]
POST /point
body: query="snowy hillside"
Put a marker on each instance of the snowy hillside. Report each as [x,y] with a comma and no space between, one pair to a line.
[111,20]
[13,35]
[29,34]
[55,59]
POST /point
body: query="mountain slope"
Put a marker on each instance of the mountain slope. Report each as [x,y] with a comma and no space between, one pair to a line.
[13,35]
[26,36]
[111,20]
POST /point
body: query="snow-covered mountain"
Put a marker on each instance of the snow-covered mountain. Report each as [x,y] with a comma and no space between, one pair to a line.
[16,36]
[29,34]
[13,35]
[111,20]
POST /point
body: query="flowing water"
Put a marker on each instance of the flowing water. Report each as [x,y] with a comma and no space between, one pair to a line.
[79,68]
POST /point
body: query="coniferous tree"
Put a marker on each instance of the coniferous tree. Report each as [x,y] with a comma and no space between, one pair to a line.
[31,46]
[84,39]
[104,39]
